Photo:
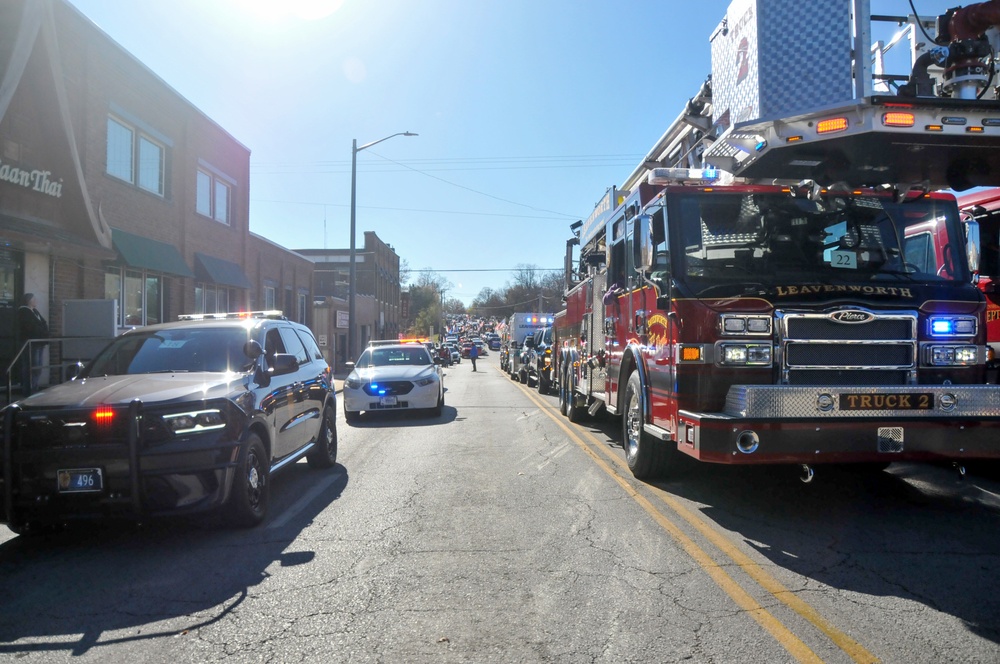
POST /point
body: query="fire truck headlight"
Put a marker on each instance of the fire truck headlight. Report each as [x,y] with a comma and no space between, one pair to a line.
[951,356]
[758,355]
[740,324]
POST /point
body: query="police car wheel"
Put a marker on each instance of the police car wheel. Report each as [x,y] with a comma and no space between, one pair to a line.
[324,455]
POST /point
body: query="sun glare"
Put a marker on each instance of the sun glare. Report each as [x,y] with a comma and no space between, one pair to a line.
[306,10]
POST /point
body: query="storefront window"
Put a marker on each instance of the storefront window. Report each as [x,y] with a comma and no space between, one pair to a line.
[140,302]
[211,299]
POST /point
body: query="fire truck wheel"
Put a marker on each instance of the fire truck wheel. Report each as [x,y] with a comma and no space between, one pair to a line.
[251,486]
[646,457]
[573,412]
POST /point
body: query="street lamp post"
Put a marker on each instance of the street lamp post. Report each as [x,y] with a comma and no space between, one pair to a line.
[352,297]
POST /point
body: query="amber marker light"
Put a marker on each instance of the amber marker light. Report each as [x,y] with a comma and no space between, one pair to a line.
[831,125]
[793,139]
[690,353]
[934,128]
[974,130]
[898,119]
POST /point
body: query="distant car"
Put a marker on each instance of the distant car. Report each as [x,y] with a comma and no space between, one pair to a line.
[481,345]
[466,346]
[494,343]
[174,418]
[393,377]
[456,354]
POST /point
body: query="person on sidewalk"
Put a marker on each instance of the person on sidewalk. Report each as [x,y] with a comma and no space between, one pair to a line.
[473,354]
[31,325]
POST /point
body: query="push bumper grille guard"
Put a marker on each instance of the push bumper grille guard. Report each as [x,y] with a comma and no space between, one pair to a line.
[132,443]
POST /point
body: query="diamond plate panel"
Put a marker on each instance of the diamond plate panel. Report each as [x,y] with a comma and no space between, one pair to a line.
[780,57]
[890,440]
[788,402]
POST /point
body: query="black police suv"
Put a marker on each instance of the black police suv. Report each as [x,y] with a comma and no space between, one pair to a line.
[174,418]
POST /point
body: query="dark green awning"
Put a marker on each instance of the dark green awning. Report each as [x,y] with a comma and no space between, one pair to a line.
[142,252]
[219,271]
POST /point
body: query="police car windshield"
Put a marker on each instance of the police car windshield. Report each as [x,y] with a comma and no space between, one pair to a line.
[177,350]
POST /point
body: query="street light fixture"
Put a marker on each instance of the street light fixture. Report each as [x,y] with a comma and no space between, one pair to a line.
[353,287]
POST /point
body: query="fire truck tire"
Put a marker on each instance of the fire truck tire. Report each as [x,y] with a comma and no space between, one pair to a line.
[647,457]
[573,412]
[252,485]
[562,394]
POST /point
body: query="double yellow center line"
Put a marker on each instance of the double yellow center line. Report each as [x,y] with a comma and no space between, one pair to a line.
[788,639]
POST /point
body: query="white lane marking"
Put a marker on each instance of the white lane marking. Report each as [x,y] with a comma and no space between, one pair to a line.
[304,500]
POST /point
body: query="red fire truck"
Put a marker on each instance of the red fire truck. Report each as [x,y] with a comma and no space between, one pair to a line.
[793,291]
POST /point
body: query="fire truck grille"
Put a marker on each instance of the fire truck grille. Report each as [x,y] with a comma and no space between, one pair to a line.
[823,328]
[851,355]
[820,350]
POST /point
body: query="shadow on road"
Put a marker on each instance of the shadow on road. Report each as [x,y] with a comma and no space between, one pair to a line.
[95,585]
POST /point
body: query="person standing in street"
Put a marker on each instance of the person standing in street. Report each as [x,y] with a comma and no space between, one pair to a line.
[473,354]
[31,325]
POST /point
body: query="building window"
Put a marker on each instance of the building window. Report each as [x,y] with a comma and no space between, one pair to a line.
[269,298]
[302,307]
[139,296]
[124,153]
[212,197]
[119,150]
[150,166]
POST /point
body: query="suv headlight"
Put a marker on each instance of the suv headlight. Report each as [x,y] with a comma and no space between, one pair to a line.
[194,421]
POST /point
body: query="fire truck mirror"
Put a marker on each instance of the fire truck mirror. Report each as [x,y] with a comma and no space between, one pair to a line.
[972,244]
[642,242]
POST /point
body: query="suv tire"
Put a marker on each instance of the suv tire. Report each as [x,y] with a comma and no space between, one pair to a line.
[325,453]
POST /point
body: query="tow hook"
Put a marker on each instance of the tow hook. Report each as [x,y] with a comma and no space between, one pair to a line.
[807,473]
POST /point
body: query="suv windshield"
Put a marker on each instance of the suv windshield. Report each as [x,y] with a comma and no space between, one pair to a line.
[770,239]
[188,349]
[386,357]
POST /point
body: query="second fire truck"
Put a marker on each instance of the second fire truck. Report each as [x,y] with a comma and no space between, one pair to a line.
[793,291]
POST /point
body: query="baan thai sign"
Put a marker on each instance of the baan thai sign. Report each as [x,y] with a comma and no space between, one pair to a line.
[36,180]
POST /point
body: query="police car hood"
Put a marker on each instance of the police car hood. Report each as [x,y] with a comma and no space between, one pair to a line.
[150,388]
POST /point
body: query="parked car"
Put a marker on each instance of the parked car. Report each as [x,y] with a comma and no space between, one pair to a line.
[173,418]
[401,376]
[466,345]
[481,345]
[456,354]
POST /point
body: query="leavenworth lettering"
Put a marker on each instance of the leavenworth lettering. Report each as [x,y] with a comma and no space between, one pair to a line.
[35,180]
[892,291]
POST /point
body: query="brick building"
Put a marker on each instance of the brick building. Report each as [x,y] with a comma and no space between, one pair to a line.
[378,304]
[113,186]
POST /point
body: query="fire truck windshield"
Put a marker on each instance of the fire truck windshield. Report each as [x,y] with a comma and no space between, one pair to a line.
[767,239]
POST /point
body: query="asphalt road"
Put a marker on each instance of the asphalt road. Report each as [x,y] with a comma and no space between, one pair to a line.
[499,532]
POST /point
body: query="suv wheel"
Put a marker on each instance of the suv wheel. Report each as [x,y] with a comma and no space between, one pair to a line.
[251,486]
[325,453]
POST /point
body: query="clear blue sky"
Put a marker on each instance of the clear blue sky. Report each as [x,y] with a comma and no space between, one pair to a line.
[526,110]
